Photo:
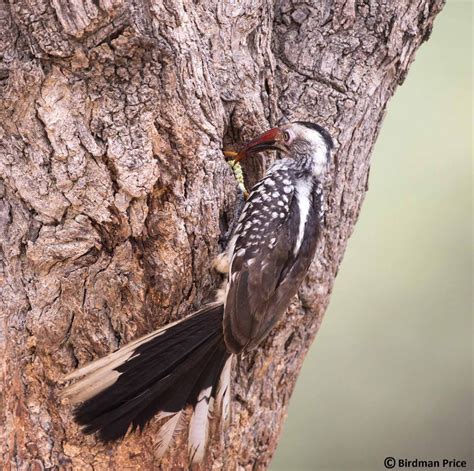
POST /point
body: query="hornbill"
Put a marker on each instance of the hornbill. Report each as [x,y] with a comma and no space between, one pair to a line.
[188,362]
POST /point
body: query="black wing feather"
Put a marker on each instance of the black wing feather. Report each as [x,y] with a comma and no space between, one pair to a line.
[257,293]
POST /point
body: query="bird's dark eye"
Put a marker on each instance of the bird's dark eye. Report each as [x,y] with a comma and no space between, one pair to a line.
[286,136]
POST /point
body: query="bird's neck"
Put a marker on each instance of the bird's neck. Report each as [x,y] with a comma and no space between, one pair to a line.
[303,167]
[311,163]
[307,171]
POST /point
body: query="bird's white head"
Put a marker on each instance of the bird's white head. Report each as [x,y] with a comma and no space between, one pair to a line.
[307,143]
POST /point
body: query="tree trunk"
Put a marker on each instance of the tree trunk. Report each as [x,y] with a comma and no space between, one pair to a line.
[116,196]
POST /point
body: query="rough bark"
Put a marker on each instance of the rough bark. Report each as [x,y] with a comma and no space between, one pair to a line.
[115,194]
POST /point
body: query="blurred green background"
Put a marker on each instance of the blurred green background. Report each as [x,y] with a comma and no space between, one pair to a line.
[390,372]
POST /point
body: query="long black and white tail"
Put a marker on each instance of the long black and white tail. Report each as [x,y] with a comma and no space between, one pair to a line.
[184,363]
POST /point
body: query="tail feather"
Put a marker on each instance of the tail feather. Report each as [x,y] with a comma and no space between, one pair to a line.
[166,433]
[122,354]
[199,426]
[152,371]
[160,373]
[223,390]
[136,412]
[101,373]
[203,397]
